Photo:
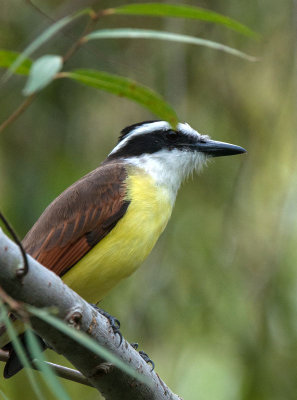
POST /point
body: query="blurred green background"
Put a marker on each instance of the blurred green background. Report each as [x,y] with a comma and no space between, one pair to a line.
[215,303]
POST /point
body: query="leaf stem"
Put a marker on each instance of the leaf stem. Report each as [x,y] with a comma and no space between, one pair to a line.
[76,45]
[25,104]
[93,19]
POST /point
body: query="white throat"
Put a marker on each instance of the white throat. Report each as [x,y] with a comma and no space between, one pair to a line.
[169,168]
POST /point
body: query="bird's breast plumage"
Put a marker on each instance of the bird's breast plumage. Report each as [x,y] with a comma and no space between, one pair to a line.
[127,245]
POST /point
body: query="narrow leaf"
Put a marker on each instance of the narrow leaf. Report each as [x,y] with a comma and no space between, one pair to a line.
[8,57]
[86,341]
[48,374]
[131,33]
[180,11]
[3,395]
[20,350]
[125,87]
[44,37]
[42,73]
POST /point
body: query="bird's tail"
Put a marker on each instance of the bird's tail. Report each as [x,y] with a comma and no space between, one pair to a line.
[13,365]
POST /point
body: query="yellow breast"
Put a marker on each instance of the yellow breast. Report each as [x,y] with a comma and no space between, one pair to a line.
[128,244]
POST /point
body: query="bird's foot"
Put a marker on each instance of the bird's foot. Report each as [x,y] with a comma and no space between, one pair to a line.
[144,355]
[114,322]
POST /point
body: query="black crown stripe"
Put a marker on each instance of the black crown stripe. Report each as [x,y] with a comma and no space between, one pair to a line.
[125,132]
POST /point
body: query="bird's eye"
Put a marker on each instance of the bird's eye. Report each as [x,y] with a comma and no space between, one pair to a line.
[171,135]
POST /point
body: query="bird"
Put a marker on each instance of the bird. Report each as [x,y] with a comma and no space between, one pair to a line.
[101,228]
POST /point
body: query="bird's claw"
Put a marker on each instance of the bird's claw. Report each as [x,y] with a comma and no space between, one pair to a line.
[114,322]
[144,356]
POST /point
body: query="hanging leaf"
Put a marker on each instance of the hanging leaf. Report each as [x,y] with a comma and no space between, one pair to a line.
[3,395]
[44,37]
[131,33]
[42,72]
[48,374]
[8,57]
[20,350]
[125,87]
[180,11]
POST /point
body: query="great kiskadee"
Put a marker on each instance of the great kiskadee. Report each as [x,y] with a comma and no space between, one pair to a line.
[100,229]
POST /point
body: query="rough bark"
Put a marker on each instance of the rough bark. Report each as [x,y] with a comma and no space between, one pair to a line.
[42,288]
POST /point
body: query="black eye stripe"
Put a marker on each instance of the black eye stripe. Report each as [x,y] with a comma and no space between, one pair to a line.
[171,135]
[152,142]
[172,132]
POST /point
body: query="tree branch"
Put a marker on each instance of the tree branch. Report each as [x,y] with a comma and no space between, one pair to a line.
[42,288]
[63,372]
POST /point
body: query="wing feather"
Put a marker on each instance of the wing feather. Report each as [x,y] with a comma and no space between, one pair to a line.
[79,218]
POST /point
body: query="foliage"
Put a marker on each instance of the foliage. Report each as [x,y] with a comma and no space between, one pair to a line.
[45,69]
[215,304]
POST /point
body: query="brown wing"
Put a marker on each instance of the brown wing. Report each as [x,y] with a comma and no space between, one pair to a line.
[79,218]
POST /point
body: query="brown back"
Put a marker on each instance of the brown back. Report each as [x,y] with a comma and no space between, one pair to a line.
[79,218]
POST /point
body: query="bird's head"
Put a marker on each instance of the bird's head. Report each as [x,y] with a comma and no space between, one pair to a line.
[168,154]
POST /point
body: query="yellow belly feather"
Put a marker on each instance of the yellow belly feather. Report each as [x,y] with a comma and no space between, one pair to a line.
[123,250]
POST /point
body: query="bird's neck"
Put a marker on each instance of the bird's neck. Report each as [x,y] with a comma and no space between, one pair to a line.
[162,175]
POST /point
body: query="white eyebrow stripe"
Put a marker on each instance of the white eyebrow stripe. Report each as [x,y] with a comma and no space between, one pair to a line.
[186,129]
[149,127]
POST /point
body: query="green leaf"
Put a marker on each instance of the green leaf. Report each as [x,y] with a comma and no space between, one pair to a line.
[86,341]
[20,350]
[42,72]
[44,37]
[48,374]
[125,87]
[8,57]
[180,11]
[3,395]
[131,33]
